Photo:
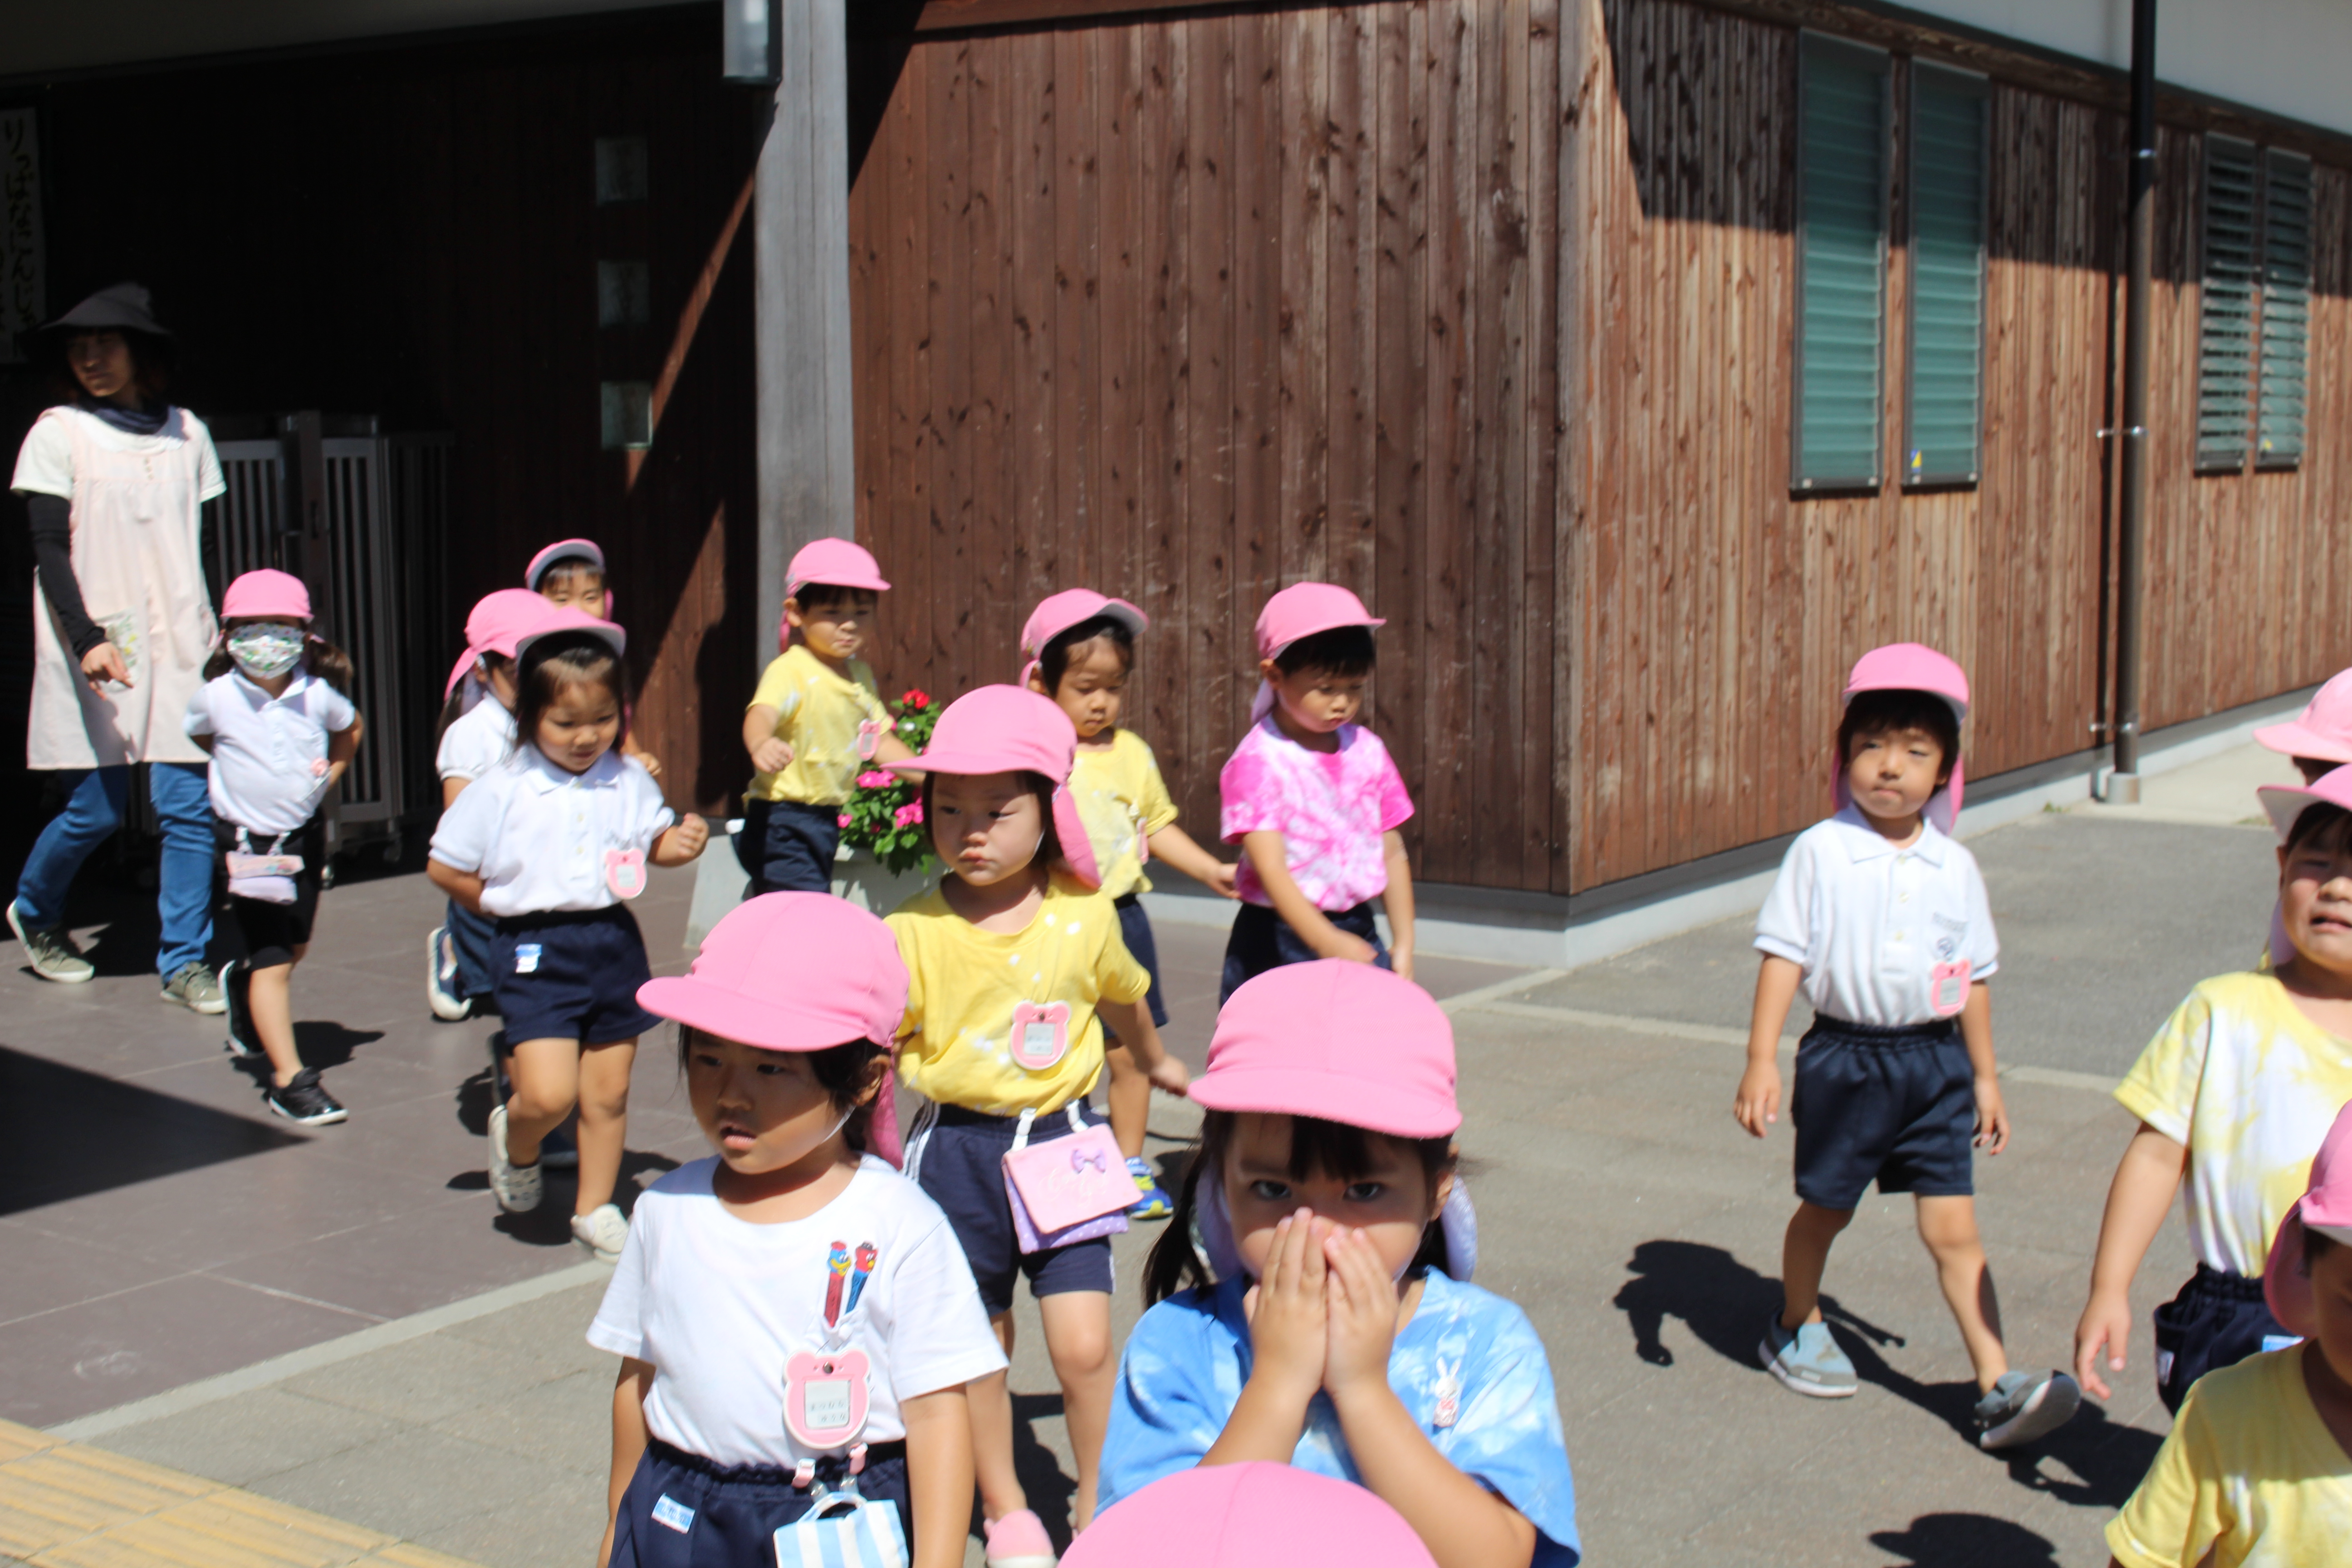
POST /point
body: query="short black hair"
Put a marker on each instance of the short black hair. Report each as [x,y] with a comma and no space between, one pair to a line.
[563,568]
[810,593]
[1049,847]
[843,1071]
[563,660]
[1878,712]
[1342,651]
[1054,658]
[2320,820]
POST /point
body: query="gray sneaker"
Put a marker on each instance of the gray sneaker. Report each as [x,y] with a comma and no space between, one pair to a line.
[53,952]
[2025,1406]
[1807,1359]
[197,988]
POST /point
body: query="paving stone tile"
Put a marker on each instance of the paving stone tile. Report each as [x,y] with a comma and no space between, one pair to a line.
[249,1436]
[426,1379]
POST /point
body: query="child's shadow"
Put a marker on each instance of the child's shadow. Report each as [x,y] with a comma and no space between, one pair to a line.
[1040,1472]
[1965,1541]
[321,1044]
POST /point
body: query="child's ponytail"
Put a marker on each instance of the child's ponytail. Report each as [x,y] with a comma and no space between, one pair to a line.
[328,663]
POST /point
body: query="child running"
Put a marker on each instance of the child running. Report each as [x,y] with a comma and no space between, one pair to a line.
[550,845]
[795,1320]
[816,723]
[2233,1097]
[572,571]
[1013,970]
[477,735]
[1337,1330]
[2257,1469]
[1313,799]
[1081,648]
[275,715]
[1882,918]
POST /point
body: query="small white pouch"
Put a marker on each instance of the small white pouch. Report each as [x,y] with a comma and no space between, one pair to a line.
[841,1527]
[265,879]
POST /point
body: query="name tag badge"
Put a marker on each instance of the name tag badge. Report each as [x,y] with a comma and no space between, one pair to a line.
[1947,988]
[527,957]
[676,1515]
[1040,1035]
[826,1397]
[624,872]
[869,737]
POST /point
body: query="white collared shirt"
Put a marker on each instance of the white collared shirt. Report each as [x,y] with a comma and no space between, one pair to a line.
[536,834]
[476,741]
[1868,923]
[270,753]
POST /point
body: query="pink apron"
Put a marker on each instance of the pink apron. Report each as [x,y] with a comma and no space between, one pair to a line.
[135,554]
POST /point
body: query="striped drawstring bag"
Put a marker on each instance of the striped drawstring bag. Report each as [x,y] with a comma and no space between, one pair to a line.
[841,1529]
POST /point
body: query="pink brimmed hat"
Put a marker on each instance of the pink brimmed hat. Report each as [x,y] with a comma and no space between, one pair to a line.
[266,592]
[1339,1040]
[1300,611]
[837,563]
[2326,1206]
[1911,667]
[2284,802]
[559,620]
[1059,611]
[563,549]
[1008,730]
[496,622]
[2322,730]
[1249,1515]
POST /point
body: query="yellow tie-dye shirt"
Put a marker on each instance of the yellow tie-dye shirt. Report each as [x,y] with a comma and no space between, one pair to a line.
[823,715]
[2250,1473]
[2250,1086]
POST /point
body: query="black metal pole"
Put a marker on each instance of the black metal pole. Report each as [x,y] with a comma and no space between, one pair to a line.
[2131,512]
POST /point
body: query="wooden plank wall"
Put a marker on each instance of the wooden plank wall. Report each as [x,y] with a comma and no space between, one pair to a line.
[1187,308]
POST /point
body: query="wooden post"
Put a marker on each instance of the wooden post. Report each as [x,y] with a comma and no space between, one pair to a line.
[801,257]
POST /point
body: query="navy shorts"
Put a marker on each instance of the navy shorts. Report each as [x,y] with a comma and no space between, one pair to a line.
[1135,929]
[958,1157]
[2217,1319]
[720,1516]
[571,974]
[1894,1106]
[788,846]
[270,932]
[469,939]
[1263,940]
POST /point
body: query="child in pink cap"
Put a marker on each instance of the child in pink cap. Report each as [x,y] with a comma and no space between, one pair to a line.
[1313,799]
[1081,648]
[1014,964]
[2257,1466]
[275,714]
[1334,1326]
[1881,916]
[2234,1096]
[2318,740]
[817,723]
[795,1321]
[571,573]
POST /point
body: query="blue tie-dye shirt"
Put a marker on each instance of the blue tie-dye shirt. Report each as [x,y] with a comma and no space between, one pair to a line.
[1187,1360]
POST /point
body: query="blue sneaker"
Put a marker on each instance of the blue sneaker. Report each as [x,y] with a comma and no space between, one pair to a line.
[1155,1204]
[1807,1359]
[2025,1406]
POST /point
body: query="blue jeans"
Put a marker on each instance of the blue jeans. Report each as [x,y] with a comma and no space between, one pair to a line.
[184,809]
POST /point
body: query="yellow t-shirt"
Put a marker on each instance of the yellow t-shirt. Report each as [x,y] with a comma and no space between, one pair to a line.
[2250,1086]
[818,715]
[1123,801]
[2250,1472]
[955,1045]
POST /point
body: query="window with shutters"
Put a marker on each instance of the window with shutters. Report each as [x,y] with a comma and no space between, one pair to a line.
[2254,315]
[1843,162]
[1944,395]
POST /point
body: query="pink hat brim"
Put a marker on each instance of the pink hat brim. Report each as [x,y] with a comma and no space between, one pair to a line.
[773,1022]
[1330,1097]
[2287,1288]
[967,764]
[587,549]
[605,631]
[2293,740]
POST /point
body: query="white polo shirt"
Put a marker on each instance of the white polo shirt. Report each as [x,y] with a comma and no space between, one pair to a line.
[476,741]
[270,753]
[1868,923]
[536,834]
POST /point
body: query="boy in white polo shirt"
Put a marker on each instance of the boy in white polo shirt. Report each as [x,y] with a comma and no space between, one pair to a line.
[1882,918]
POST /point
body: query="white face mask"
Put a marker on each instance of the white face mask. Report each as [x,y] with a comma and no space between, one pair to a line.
[266,652]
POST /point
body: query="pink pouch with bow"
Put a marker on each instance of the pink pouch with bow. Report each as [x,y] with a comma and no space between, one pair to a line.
[1068,1189]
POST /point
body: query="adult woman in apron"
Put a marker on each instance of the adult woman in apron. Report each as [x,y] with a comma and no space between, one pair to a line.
[122,626]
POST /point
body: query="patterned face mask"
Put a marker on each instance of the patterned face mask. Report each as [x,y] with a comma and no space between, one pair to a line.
[266,652]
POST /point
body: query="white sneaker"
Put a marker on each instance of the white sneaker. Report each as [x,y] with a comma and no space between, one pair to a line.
[440,976]
[518,1186]
[603,1232]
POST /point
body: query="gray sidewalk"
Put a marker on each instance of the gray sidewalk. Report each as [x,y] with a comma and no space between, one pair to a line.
[1620,1205]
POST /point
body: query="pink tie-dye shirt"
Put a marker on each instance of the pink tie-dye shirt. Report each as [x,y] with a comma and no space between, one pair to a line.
[1331,809]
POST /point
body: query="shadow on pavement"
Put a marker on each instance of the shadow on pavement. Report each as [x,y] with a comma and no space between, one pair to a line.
[1964,1541]
[1050,1491]
[1722,1301]
[51,1149]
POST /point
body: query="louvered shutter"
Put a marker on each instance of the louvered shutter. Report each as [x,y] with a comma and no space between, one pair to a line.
[2285,308]
[2225,348]
[1947,268]
[1840,265]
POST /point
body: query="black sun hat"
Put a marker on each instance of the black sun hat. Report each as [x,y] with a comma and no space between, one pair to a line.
[125,308]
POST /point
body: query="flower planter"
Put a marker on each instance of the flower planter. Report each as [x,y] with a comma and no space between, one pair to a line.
[870,885]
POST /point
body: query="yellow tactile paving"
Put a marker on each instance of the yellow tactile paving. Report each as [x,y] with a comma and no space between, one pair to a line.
[63,1505]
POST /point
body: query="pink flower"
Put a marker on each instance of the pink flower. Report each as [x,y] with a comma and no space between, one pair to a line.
[877,779]
[842,821]
[909,813]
